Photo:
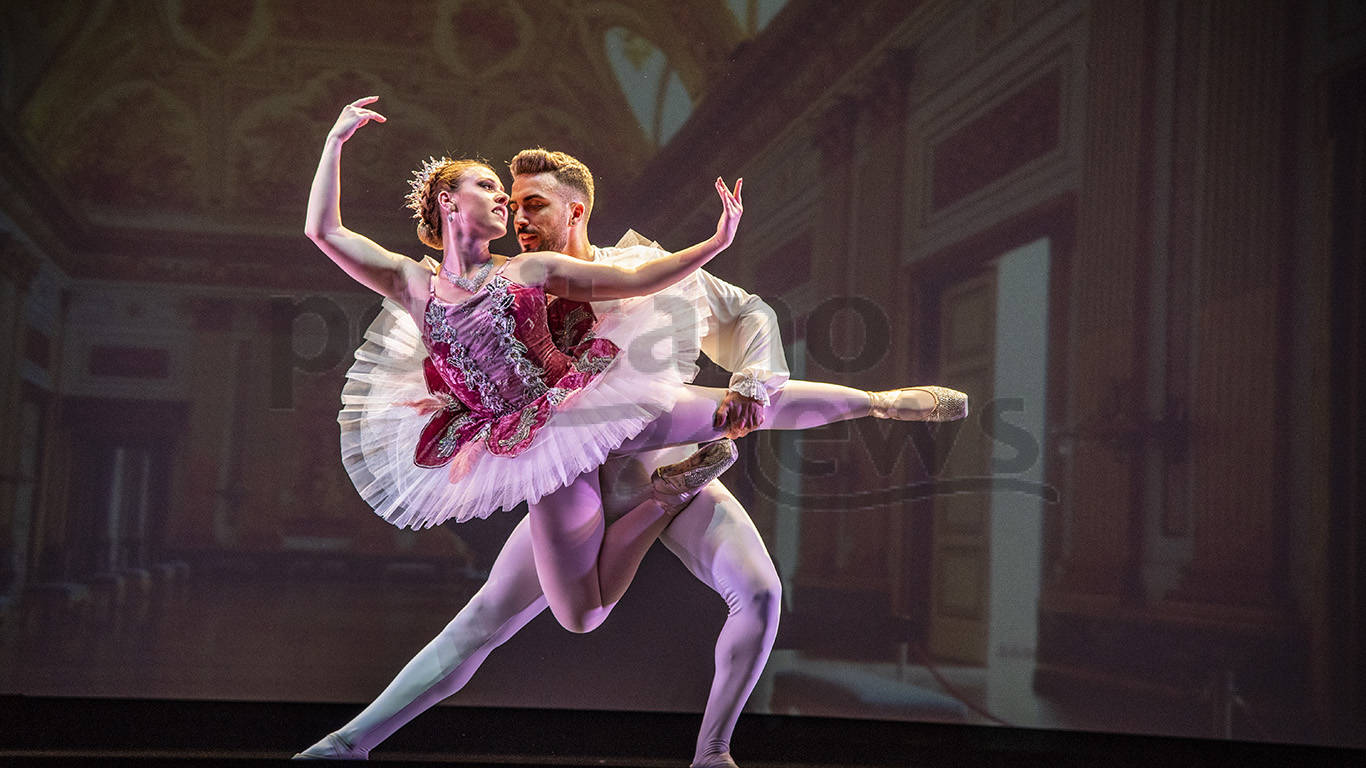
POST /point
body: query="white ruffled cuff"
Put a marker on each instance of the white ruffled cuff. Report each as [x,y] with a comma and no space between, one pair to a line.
[748,384]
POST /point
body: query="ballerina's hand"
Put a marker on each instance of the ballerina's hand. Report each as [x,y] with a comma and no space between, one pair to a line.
[732,206]
[353,116]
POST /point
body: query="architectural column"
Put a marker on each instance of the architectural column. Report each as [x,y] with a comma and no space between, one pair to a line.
[18,268]
[833,139]
[822,581]
[877,331]
[1098,560]
[1237,323]
[855,336]
[203,517]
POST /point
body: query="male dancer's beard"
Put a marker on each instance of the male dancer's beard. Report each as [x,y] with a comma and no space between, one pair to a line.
[549,241]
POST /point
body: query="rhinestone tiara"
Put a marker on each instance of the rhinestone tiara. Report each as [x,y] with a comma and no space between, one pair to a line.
[421,183]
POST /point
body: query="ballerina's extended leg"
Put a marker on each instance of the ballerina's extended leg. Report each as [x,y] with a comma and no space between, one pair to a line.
[508,601]
[584,572]
[800,405]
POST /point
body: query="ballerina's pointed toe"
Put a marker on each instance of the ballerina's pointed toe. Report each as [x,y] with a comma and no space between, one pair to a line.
[949,404]
[719,761]
[676,484]
[332,747]
[905,404]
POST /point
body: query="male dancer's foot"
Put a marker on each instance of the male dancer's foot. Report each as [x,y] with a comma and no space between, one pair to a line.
[332,747]
[919,404]
[676,484]
[722,760]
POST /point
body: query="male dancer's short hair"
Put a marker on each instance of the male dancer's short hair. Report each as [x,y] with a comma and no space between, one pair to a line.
[566,169]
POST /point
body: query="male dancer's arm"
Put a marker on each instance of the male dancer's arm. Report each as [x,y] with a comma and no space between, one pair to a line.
[742,337]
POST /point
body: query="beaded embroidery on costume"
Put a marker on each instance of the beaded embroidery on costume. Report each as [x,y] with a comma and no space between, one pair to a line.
[450,439]
[500,416]
[591,363]
[564,334]
[514,351]
[459,357]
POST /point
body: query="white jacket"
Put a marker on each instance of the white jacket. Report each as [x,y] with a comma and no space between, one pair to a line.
[742,332]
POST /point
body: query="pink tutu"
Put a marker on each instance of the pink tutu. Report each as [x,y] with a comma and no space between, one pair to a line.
[548,432]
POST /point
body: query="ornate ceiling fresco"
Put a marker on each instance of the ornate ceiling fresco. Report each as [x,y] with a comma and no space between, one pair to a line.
[152,120]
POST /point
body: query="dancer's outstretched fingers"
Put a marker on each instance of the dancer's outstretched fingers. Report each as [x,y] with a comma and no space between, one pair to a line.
[359,104]
[353,116]
[730,214]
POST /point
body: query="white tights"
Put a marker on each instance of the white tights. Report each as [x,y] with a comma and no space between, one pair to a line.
[714,538]
[585,568]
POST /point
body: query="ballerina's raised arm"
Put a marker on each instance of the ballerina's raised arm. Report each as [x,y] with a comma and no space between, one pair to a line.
[581,280]
[369,263]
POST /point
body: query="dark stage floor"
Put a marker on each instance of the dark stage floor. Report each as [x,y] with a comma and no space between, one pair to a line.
[56,731]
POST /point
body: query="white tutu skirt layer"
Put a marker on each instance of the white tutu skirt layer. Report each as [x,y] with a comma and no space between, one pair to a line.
[386,404]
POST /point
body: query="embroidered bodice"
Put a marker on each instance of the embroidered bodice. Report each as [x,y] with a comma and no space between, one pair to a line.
[501,363]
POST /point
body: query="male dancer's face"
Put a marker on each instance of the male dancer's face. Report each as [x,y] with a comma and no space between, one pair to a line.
[540,212]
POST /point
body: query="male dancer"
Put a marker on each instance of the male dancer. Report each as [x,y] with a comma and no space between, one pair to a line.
[552,199]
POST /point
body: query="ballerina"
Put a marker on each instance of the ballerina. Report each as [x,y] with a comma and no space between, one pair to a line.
[504,415]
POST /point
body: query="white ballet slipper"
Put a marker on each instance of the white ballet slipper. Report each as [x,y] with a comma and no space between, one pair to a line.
[332,747]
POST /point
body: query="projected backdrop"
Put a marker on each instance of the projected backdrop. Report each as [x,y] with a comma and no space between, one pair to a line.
[1131,234]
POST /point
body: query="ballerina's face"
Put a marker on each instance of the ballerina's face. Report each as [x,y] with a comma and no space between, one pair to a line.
[542,211]
[480,204]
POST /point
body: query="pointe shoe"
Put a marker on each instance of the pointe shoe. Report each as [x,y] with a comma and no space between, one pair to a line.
[715,761]
[949,404]
[676,484]
[332,747]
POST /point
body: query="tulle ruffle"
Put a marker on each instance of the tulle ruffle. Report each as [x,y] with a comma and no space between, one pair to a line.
[386,404]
